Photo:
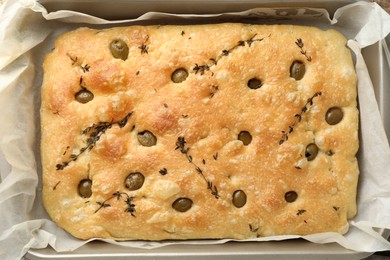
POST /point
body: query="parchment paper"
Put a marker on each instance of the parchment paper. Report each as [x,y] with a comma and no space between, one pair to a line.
[27,31]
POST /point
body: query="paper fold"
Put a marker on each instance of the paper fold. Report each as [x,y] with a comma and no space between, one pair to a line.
[27,32]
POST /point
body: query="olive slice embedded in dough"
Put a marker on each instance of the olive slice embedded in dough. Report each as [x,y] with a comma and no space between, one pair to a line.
[334,115]
[254,83]
[311,151]
[134,181]
[85,188]
[179,75]
[245,137]
[239,198]
[182,204]
[84,96]
[146,138]
[297,70]
[119,49]
[290,196]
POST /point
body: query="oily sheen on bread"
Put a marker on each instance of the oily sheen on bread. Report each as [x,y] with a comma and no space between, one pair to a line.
[199,131]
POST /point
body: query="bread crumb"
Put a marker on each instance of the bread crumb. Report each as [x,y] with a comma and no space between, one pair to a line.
[222,75]
[333,191]
[164,189]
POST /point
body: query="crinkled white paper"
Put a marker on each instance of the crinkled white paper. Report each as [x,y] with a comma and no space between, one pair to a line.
[27,32]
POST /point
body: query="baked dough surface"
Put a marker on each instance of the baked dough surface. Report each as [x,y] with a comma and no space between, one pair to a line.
[196,122]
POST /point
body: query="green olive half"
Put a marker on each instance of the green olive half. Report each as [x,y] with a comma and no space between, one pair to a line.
[134,181]
[311,151]
[245,137]
[85,188]
[290,196]
[297,70]
[84,96]
[254,83]
[239,198]
[146,138]
[119,49]
[182,204]
[179,75]
[334,115]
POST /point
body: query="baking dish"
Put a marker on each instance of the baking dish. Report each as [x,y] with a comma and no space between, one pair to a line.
[376,62]
[289,249]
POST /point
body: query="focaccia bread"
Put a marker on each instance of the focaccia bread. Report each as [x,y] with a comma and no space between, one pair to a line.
[199,131]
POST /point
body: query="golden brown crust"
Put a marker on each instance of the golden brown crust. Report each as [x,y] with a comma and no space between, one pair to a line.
[206,112]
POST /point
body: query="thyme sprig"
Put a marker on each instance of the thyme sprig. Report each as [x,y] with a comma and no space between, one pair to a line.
[298,118]
[181,146]
[94,132]
[300,44]
[202,68]
[76,62]
[128,200]
[144,48]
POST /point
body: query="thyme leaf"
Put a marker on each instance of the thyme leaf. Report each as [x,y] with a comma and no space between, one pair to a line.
[214,61]
[103,205]
[252,229]
[144,48]
[299,43]
[215,88]
[241,43]
[73,59]
[85,68]
[55,186]
[163,171]
[123,121]
[330,153]
[66,150]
